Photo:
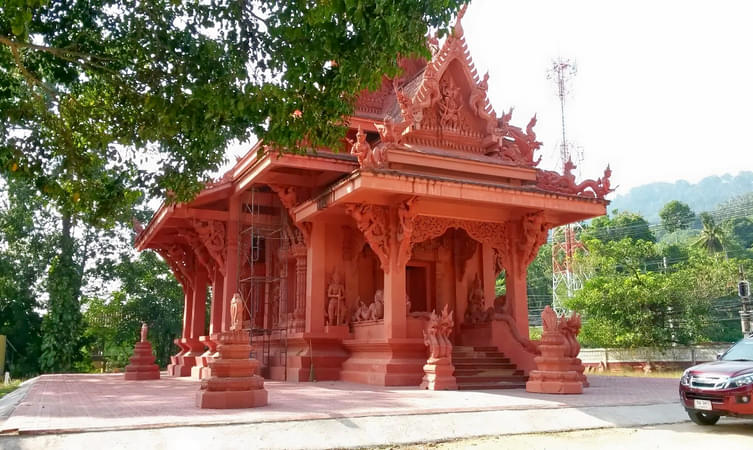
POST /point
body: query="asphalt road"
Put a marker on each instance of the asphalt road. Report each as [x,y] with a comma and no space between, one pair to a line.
[728,434]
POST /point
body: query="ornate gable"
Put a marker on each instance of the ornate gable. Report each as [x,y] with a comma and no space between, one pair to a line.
[445,106]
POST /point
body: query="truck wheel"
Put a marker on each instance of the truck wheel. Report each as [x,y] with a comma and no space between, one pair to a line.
[702,418]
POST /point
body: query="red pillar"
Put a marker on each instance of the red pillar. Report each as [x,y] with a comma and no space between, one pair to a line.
[316,279]
[299,311]
[517,294]
[215,313]
[198,306]
[187,313]
[231,260]
[489,277]
[394,299]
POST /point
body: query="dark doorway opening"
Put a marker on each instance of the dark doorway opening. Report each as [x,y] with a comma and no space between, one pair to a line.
[416,286]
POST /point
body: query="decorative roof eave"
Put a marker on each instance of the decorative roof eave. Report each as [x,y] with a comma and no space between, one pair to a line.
[392,182]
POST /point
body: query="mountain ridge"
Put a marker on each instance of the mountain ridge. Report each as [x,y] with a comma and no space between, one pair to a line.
[648,199]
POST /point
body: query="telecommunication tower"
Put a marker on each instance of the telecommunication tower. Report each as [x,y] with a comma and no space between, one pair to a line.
[565,238]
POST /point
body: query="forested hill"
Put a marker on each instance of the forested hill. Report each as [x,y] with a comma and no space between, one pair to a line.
[649,199]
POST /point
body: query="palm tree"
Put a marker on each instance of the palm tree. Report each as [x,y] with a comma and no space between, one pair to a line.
[712,236]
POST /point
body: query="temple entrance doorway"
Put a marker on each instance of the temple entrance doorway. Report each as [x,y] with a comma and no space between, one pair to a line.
[418,287]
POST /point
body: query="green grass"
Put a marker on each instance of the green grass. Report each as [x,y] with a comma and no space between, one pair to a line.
[6,389]
[639,373]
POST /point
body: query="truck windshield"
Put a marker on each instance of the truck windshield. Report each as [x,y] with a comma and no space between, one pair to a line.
[742,351]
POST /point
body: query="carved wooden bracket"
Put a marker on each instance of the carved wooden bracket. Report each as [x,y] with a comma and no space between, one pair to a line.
[180,261]
[491,233]
[523,240]
[201,254]
[374,222]
[289,199]
[212,235]
[406,215]
[535,232]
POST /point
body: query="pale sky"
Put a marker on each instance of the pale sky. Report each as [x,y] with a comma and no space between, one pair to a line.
[663,90]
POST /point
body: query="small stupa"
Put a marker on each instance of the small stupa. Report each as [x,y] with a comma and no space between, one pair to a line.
[142,366]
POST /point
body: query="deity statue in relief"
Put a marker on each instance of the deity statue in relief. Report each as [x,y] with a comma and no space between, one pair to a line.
[236,312]
[361,313]
[335,296]
[376,309]
[475,312]
[274,305]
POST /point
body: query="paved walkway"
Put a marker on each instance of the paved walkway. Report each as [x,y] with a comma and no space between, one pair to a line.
[321,415]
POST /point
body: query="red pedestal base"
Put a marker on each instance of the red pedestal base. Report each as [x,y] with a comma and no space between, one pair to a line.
[394,362]
[554,378]
[233,383]
[326,354]
[438,376]
[142,365]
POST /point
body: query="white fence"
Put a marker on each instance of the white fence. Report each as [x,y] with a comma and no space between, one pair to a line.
[639,357]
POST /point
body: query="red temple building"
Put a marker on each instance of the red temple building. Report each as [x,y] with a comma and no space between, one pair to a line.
[340,258]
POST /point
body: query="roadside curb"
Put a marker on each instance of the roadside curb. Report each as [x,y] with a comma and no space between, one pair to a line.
[9,403]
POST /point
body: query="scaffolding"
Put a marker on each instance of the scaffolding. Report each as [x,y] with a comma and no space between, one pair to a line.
[262,278]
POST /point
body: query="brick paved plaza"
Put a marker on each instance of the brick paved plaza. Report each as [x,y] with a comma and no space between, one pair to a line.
[72,403]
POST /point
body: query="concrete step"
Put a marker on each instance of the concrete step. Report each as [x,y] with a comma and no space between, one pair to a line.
[482,386]
[488,372]
[483,365]
[486,349]
[468,360]
[475,379]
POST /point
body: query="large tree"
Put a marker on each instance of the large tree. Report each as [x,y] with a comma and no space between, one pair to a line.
[676,215]
[94,92]
[25,250]
[632,302]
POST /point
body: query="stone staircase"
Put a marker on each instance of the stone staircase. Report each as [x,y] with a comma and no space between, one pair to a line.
[480,368]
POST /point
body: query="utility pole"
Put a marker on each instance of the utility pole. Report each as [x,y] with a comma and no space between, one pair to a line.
[743,290]
[565,240]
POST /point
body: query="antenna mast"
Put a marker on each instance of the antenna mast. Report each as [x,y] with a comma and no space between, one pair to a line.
[565,238]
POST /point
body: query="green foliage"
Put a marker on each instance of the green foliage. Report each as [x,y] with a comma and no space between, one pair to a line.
[712,237]
[6,389]
[24,253]
[676,216]
[62,325]
[740,230]
[94,91]
[632,300]
[622,224]
[148,293]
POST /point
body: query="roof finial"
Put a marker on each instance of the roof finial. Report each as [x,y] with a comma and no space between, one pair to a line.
[458,29]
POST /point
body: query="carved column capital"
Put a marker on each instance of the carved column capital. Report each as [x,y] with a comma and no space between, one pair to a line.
[212,236]
[374,222]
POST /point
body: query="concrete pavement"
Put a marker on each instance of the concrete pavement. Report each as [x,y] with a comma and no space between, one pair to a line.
[316,415]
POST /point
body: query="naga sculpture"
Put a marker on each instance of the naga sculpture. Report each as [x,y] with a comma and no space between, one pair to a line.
[565,184]
[437,335]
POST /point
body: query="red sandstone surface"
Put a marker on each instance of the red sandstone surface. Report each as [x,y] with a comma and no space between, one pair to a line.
[57,403]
